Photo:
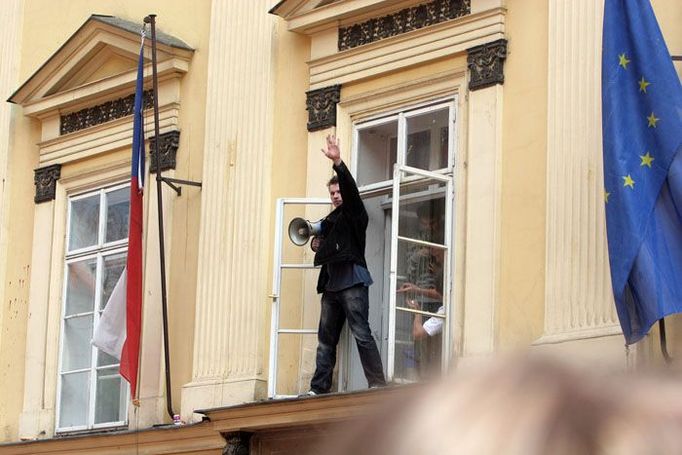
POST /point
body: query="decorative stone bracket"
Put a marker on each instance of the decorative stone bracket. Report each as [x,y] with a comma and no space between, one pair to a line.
[321,107]
[168,148]
[486,64]
[238,443]
[45,179]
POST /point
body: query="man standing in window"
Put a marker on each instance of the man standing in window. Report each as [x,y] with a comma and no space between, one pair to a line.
[344,278]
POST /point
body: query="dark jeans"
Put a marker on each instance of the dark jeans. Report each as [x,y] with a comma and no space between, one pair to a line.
[351,304]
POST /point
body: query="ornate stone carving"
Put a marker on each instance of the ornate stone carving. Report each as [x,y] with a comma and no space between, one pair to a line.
[237,443]
[486,64]
[102,113]
[321,107]
[403,21]
[45,179]
[168,148]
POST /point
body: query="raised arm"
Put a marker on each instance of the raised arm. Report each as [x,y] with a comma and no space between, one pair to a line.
[347,185]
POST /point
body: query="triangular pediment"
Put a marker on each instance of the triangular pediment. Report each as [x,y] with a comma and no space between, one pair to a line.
[98,60]
[101,62]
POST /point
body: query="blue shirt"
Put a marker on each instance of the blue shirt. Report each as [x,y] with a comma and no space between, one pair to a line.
[343,275]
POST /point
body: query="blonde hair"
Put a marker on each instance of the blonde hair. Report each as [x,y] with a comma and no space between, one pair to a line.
[527,406]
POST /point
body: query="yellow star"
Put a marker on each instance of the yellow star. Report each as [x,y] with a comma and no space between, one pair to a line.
[646,159]
[643,84]
[629,182]
[623,61]
[652,120]
[606,196]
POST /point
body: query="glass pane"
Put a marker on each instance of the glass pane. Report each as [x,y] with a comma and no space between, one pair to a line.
[77,349]
[418,346]
[111,396]
[420,281]
[74,400]
[427,140]
[80,287]
[84,222]
[422,211]
[113,266]
[118,210]
[377,147]
[420,267]
[104,359]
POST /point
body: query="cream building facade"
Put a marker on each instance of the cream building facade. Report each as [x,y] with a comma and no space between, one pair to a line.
[489,109]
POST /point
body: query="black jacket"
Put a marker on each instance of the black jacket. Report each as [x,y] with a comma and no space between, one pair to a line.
[344,229]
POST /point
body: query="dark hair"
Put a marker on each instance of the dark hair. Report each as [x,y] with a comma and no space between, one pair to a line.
[333,181]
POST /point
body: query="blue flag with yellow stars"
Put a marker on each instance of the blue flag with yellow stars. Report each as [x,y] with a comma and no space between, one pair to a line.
[642,129]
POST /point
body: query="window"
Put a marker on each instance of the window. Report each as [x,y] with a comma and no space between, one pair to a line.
[423,137]
[408,243]
[404,165]
[91,393]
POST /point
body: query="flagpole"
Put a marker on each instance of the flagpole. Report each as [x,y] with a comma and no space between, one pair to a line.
[151,19]
[664,343]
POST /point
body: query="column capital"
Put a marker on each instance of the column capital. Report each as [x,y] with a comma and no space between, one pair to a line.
[321,107]
[168,149]
[45,179]
[486,64]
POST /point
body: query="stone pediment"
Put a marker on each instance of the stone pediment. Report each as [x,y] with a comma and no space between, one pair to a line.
[97,63]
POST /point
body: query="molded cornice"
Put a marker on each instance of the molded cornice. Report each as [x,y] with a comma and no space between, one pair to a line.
[307,17]
[71,78]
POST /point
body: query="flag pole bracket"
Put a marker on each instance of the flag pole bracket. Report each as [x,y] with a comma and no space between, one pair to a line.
[178,189]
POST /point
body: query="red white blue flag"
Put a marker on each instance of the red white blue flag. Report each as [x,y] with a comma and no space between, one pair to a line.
[131,348]
[118,329]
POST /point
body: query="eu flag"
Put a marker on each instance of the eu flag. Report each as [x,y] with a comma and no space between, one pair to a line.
[642,134]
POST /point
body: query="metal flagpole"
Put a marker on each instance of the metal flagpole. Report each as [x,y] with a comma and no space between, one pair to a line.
[151,19]
[664,343]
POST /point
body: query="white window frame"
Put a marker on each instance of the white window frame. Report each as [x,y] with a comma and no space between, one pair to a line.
[402,114]
[392,185]
[99,251]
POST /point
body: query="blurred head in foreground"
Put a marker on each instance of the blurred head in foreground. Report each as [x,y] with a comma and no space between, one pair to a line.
[524,406]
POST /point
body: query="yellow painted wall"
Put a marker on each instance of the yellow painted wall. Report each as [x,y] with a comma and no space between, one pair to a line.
[12,297]
[57,21]
[524,139]
[522,285]
[287,170]
[23,157]
[521,307]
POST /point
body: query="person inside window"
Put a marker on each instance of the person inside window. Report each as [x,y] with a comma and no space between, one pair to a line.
[423,290]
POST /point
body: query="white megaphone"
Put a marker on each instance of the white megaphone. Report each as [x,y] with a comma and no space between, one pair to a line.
[300,230]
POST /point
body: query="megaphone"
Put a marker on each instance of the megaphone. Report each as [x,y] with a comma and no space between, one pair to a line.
[300,230]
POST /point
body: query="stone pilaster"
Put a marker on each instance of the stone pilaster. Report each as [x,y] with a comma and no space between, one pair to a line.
[484,195]
[13,279]
[484,220]
[233,257]
[579,301]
